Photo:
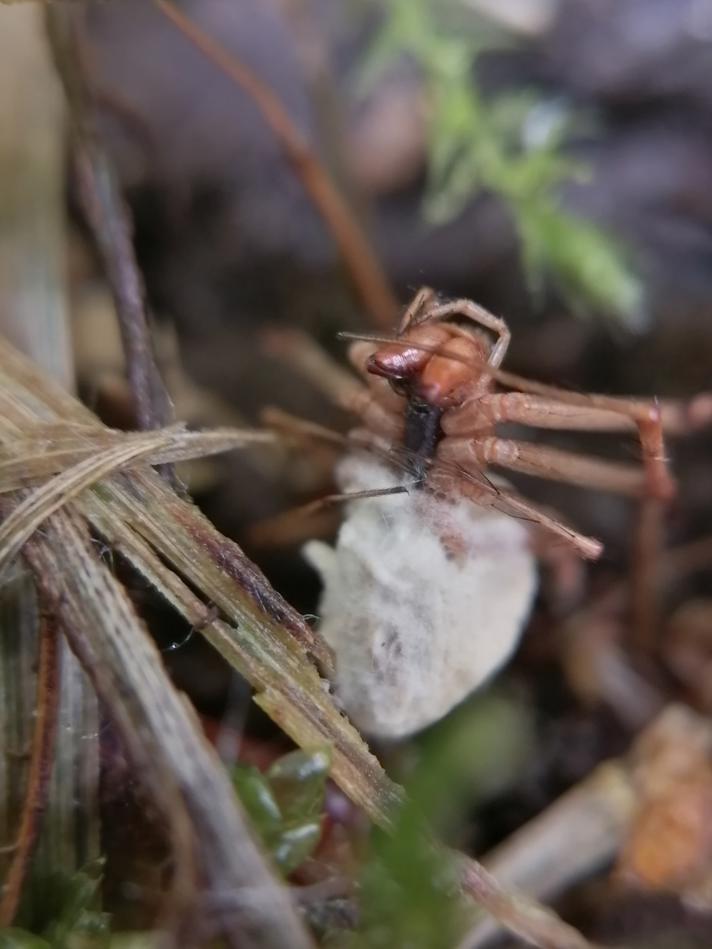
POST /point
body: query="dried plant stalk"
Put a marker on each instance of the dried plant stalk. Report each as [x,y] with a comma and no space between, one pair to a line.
[110,222]
[161,734]
[33,314]
[53,494]
[267,639]
[49,449]
[573,838]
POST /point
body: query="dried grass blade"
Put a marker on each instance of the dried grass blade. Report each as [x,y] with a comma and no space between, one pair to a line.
[19,526]
[29,460]
[289,687]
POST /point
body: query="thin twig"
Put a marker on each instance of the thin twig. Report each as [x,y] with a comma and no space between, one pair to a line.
[569,841]
[40,770]
[535,923]
[363,266]
[111,225]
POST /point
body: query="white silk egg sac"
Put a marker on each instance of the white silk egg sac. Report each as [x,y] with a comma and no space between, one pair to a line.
[423,599]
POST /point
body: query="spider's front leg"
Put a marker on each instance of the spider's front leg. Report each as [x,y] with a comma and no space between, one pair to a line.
[545,462]
[469,439]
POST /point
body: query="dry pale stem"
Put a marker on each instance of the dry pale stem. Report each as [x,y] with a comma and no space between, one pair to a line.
[520,914]
[573,838]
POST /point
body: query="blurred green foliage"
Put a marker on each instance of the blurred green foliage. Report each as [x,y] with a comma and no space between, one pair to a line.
[479,143]
[65,917]
[285,804]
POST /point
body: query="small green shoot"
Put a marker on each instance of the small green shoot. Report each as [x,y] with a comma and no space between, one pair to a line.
[285,804]
[62,914]
[491,144]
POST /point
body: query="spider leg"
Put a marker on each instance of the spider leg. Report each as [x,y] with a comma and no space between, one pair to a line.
[375,416]
[678,416]
[421,303]
[589,472]
[375,403]
[550,408]
[482,317]
[484,494]
[574,411]
[314,363]
[526,409]
[545,462]
[306,521]
[301,429]
[646,416]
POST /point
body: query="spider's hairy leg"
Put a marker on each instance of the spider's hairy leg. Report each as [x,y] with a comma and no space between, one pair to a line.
[482,317]
[645,416]
[301,352]
[545,462]
[534,410]
[442,479]
[418,308]
[378,419]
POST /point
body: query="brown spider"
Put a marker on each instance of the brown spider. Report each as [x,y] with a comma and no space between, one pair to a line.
[432,391]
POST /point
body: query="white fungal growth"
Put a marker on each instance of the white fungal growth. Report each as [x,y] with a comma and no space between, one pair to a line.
[424,599]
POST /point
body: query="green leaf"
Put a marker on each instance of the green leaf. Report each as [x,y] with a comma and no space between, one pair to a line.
[409,891]
[295,844]
[298,782]
[67,915]
[257,798]
[286,803]
[77,896]
[585,263]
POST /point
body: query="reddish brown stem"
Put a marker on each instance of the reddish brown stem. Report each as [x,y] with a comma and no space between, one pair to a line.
[40,770]
[363,266]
